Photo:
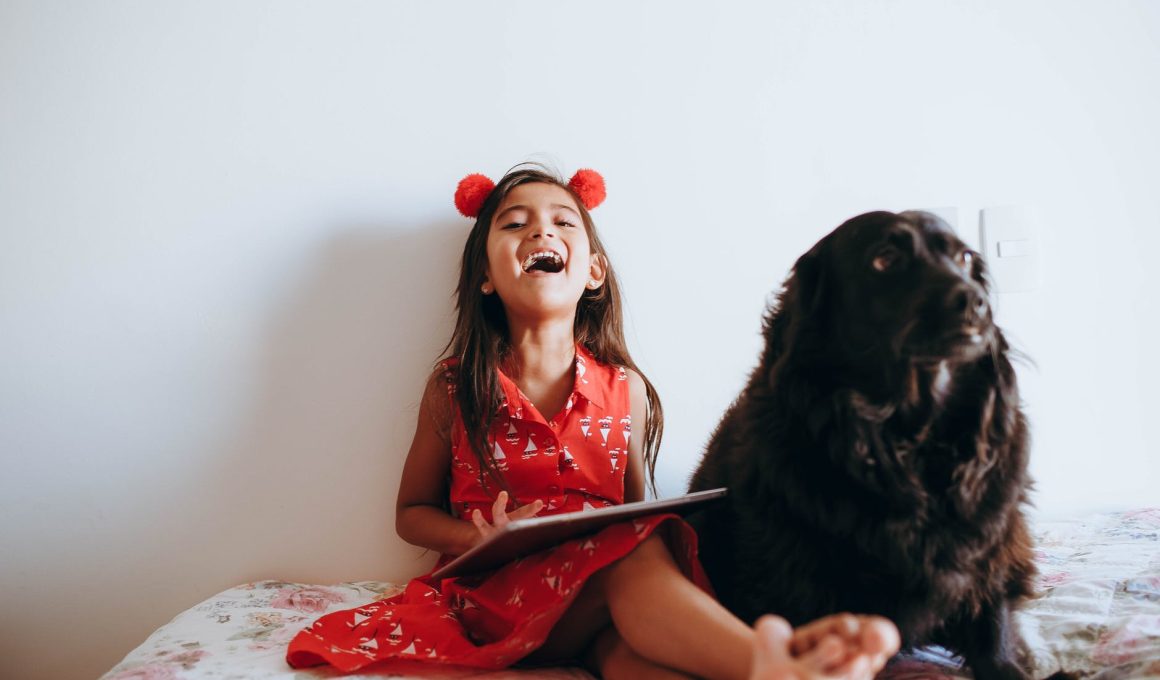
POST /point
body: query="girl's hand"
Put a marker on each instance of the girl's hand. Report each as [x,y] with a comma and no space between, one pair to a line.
[500,517]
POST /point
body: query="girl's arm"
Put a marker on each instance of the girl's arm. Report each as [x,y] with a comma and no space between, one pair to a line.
[419,515]
[634,473]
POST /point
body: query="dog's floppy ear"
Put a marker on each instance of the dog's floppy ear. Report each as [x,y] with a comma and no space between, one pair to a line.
[809,278]
[999,433]
[795,318]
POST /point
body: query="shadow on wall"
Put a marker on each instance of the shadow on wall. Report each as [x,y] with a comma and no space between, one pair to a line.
[305,490]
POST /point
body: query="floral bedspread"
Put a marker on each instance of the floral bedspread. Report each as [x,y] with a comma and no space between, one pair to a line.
[1097,614]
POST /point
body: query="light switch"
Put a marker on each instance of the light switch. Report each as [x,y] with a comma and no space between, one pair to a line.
[1020,248]
[1010,238]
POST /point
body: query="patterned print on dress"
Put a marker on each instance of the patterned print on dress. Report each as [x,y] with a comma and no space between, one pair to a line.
[614,457]
[585,424]
[626,428]
[512,435]
[530,449]
[605,427]
[517,598]
[359,618]
[499,457]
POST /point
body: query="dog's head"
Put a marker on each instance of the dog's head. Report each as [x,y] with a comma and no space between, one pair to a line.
[885,288]
[888,319]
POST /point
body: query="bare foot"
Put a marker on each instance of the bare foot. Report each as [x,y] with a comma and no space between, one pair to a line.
[843,646]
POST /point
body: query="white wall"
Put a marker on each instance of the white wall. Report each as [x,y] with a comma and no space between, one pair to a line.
[227,248]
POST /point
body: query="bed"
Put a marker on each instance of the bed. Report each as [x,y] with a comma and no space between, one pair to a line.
[1097,613]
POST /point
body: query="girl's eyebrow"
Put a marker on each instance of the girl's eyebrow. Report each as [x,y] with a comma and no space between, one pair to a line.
[511,208]
[524,207]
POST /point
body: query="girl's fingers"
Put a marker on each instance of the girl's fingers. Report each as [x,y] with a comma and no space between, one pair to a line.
[500,516]
[480,522]
[499,507]
[529,510]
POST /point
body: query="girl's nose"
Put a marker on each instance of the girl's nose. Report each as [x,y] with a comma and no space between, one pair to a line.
[542,229]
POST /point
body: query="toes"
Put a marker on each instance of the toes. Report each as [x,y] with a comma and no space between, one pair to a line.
[806,637]
[771,644]
[826,654]
[773,635]
[879,636]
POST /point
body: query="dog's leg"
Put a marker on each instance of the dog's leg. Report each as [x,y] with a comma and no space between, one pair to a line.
[992,647]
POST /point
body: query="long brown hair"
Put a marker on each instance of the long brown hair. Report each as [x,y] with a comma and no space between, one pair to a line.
[481,341]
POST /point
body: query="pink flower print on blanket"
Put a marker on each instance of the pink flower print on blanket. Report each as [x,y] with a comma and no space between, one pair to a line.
[1051,580]
[1129,642]
[153,671]
[311,599]
[1144,516]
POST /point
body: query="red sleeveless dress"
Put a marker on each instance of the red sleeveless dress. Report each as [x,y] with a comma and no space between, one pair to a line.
[575,461]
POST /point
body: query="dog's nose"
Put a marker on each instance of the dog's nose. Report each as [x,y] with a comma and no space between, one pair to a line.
[966,301]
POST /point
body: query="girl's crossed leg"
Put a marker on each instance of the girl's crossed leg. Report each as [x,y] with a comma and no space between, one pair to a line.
[641,618]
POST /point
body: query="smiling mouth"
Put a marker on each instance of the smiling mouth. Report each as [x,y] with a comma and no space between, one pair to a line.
[543,261]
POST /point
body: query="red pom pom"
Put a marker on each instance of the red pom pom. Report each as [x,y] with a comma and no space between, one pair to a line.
[472,191]
[589,186]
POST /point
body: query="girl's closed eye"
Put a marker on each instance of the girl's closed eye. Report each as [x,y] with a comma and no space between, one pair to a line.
[513,225]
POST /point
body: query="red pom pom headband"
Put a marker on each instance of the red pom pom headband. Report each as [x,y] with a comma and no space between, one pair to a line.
[474,189]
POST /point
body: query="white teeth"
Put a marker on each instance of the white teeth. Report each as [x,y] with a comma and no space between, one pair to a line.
[538,255]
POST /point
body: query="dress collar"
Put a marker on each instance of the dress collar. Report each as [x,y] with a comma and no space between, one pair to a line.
[587,384]
[588,372]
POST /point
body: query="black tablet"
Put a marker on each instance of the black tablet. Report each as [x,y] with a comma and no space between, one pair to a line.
[527,536]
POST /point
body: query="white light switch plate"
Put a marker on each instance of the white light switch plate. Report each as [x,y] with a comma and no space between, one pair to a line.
[1009,235]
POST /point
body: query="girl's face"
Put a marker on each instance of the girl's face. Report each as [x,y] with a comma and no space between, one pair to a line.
[539,259]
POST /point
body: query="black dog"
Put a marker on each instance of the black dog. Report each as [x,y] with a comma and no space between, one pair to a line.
[877,458]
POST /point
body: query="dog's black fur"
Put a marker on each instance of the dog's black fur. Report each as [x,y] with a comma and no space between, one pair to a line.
[877,458]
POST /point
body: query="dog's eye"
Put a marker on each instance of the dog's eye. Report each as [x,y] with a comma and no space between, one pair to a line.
[886,259]
[966,258]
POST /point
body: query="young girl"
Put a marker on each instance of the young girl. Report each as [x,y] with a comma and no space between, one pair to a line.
[539,409]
